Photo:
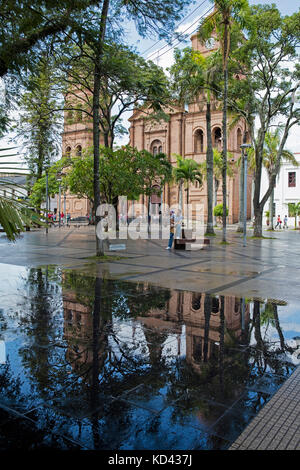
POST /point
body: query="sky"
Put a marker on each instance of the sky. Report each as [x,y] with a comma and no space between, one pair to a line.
[162,53]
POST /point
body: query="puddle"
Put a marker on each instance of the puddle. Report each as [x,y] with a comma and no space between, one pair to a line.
[106,364]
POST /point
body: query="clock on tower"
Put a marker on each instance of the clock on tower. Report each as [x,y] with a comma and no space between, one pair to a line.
[210,43]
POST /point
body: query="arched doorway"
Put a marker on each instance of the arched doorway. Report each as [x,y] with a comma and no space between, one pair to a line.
[217,138]
[68,152]
[198,141]
[78,151]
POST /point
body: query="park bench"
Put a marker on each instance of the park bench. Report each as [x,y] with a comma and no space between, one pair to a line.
[188,243]
[78,222]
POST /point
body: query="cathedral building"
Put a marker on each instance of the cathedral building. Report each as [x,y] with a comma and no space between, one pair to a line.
[183,134]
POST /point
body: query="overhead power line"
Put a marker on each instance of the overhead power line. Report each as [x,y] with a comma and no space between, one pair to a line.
[180,40]
[182,21]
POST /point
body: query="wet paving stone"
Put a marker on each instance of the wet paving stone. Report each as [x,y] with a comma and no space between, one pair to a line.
[20,432]
[90,363]
[230,425]
[250,403]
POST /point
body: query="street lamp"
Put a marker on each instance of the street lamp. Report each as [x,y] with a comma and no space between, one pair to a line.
[47,198]
[244,148]
[59,179]
[59,175]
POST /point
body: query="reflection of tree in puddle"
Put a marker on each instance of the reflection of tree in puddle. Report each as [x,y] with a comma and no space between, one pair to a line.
[217,331]
[267,352]
[39,319]
[99,338]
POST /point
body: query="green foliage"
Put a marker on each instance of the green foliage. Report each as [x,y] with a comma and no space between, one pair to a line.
[225,23]
[26,24]
[294,210]
[38,191]
[188,171]
[218,210]
[129,81]
[270,153]
[123,172]
[40,124]
[15,213]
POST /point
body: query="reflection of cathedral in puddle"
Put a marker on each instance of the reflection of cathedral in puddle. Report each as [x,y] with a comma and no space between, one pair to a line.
[188,309]
[183,309]
[79,332]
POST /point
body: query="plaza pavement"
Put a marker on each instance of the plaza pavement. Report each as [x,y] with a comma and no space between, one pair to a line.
[267,268]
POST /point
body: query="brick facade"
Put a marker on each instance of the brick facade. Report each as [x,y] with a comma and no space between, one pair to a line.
[178,136]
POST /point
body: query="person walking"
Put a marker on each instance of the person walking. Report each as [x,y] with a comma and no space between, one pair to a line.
[178,224]
[278,222]
[172,229]
[285,221]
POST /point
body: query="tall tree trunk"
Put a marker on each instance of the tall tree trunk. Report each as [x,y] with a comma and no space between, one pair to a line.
[257,206]
[222,343]
[207,314]
[216,186]
[187,204]
[180,195]
[96,120]
[258,211]
[209,172]
[106,139]
[224,167]
[241,188]
[271,215]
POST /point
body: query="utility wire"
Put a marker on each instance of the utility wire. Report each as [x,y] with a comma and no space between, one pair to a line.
[184,19]
[183,32]
[180,40]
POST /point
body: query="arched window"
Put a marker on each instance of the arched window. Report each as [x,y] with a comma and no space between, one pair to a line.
[217,137]
[215,306]
[198,141]
[239,138]
[197,348]
[196,301]
[237,303]
[156,147]
[68,151]
[78,151]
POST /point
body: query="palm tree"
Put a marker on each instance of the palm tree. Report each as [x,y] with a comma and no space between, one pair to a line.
[272,142]
[228,14]
[15,213]
[187,171]
[195,76]
[217,173]
[294,211]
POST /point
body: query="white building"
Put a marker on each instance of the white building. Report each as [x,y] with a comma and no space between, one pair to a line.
[13,185]
[287,190]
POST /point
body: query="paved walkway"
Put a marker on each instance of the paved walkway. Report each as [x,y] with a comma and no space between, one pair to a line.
[267,269]
[276,427]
